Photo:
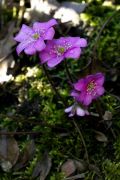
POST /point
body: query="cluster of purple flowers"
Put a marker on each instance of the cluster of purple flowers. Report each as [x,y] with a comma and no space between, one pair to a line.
[39,38]
[32,40]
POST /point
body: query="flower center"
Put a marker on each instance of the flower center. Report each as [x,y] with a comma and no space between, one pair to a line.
[61,50]
[36,36]
[91,87]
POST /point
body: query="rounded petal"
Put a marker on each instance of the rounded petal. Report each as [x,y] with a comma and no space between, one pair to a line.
[81,97]
[52,22]
[87,100]
[46,56]
[43,26]
[54,61]
[74,94]
[21,46]
[80,85]
[100,90]
[49,34]
[76,41]
[71,114]
[80,111]
[69,109]
[73,53]
[83,42]
[39,45]
[100,79]
[24,33]
[30,50]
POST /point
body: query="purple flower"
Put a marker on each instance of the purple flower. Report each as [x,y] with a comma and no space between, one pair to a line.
[88,88]
[58,49]
[32,38]
[76,109]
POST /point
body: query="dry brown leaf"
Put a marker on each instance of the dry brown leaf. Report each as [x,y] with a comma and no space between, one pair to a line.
[78,176]
[107,116]
[100,136]
[68,167]
[81,165]
[26,155]
[43,167]
[9,152]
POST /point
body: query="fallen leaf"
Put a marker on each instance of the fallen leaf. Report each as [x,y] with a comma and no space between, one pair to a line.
[81,165]
[100,136]
[26,155]
[68,167]
[107,116]
[9,152]
[78,176]
[42,167]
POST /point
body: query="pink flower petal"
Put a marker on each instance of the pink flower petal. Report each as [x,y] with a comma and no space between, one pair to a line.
[44,26]
[80,85]
[24,33]
[87,100]
[100,90]
[21,46]
[77,41]
[73,53]
[74,94]
[80,111]
[69,109]
[81,97]
[83,42]
[53,62]
[100,79]
[71,114]
[39,44]
[30,50]
[46,56]
[49,34]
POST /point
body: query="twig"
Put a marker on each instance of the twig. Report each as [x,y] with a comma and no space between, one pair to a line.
[19,133]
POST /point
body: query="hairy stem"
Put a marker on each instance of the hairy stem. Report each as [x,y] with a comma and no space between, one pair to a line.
[68,72]
[52,84]
[83,141]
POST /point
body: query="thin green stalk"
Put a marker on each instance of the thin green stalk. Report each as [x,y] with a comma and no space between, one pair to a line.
[83,141]
[68,72]
[75,124]
[52,84]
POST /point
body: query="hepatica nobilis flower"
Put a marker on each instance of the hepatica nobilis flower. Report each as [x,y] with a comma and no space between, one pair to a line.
[32,38]
[88,88]
[57,50]
[76,109]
